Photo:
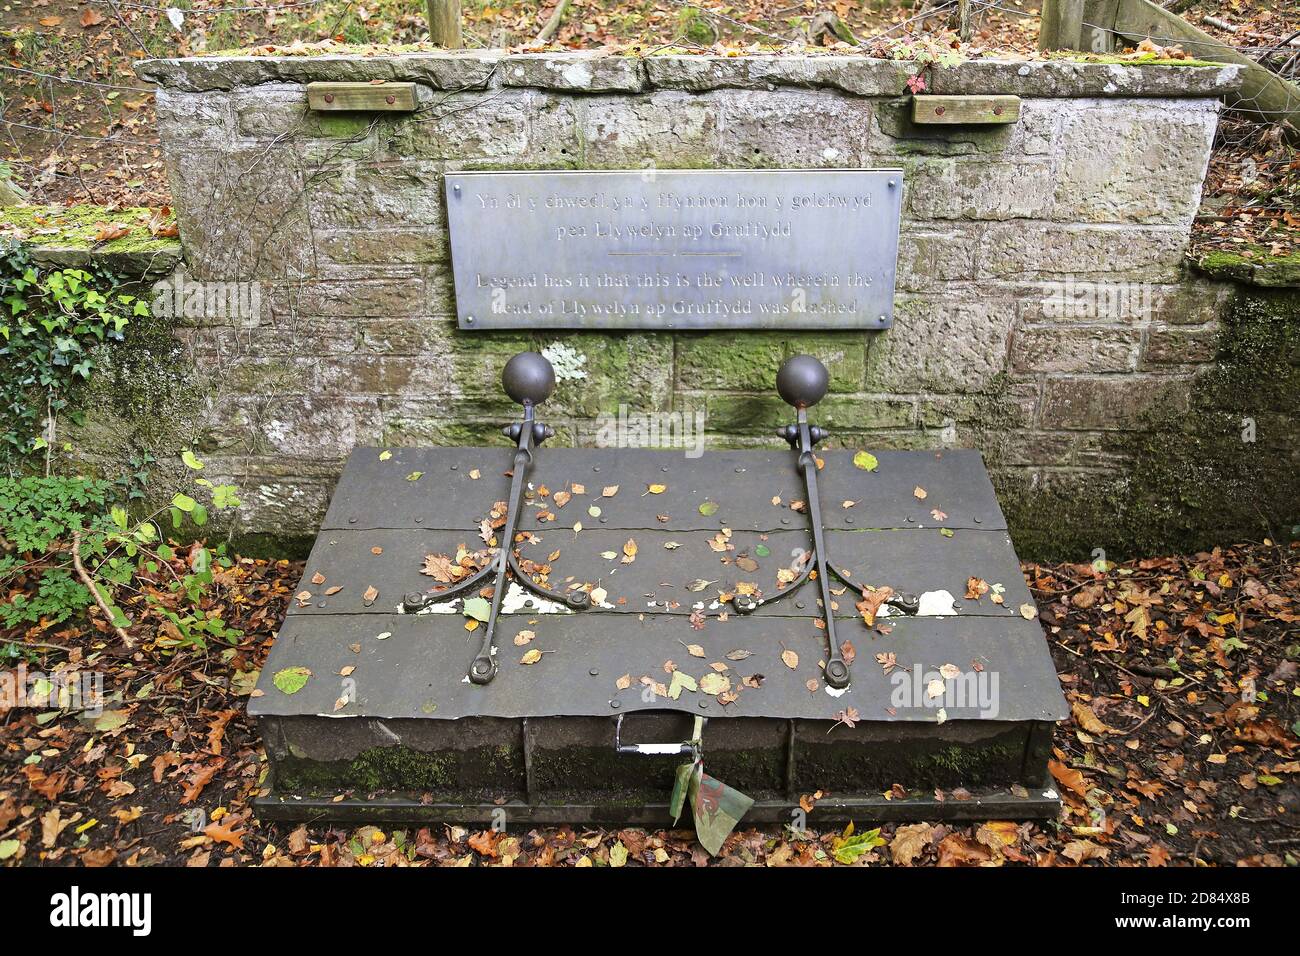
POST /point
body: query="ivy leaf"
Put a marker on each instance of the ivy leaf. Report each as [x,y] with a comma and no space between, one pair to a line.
[187,456]
[291,679]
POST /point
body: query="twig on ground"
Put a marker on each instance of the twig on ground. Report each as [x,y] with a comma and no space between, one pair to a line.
[89,582]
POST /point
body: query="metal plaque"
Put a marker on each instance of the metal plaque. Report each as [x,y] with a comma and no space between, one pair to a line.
[675,249]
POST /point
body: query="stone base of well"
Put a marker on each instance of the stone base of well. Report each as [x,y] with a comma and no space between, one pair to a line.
[387,719]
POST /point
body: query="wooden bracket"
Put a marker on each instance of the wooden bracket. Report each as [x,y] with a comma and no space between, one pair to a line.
[965,109]
[362,97]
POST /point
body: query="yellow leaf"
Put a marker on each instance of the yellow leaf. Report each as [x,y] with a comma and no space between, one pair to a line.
[790,658]
[657,489]
[532,657]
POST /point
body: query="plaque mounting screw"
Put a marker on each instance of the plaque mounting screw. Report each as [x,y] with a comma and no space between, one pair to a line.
[469,320]
[939,111]
[390,99]
[329,97]
[456,188]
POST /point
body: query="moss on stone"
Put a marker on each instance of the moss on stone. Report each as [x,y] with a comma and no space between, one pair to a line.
[1254,264]
[1226,470]
[470,775]
[75,227]
[1132,59]
[146,387]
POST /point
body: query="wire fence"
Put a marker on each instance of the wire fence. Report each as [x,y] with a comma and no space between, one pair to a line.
[76,127]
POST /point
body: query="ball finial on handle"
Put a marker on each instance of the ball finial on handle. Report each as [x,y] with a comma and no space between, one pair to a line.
[528,378]
[802,381]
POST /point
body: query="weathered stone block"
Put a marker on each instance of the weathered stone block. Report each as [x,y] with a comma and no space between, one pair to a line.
[1089,301]
[1024,251]
[382,246]
[1047,348]
[973,189]
[417,335]
[377,297]
[363,374]
[193,120]
[239,226]
[843,353]
[466,126]
[444,70]
[941,345]
[415,420]
[742,363]
[1121,402]
[293,425]
[663,129]
[633,369]
[283,333]
[1181,345]
[994,411]
[276,117]
[796,128]
[1132,160]
[1065,78]
[1190,303]
[928,259]
[574,72]
[376,195]
[731,413]
[858,75]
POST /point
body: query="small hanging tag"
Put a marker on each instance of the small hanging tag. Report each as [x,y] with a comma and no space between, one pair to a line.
[717,809]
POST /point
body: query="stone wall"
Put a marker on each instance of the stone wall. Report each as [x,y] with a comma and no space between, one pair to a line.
[339,220]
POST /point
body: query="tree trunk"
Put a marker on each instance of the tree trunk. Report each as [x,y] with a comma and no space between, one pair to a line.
[963,21]
[552,25]
[444,23]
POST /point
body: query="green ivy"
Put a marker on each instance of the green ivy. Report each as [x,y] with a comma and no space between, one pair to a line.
[122,553]
[50,323]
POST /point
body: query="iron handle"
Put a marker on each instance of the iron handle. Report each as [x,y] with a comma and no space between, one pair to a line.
[657,750]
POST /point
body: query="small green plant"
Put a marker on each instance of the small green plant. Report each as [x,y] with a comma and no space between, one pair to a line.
[80,549]
[50,323]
